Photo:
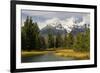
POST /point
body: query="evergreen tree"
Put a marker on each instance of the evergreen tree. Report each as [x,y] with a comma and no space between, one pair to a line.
[78,42]
[42,43]
[23,39]
[65,42]
[59,41]
[50,40]
[82,41]
[30,35]
[70,40]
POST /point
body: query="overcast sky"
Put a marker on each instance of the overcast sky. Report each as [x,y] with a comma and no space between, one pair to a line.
[44,17]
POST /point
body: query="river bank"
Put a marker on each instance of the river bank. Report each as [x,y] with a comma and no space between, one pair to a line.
[74,54]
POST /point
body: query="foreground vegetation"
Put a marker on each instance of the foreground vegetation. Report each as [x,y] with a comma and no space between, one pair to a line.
[74,54]
[32,53]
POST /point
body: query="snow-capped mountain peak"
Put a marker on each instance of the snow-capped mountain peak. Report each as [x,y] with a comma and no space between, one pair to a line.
[56,23]
[53,22]
[67,24]
[61,24]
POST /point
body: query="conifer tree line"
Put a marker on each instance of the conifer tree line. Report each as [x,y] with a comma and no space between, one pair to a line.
[32,40]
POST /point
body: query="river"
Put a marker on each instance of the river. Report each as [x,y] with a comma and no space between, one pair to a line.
[50,56]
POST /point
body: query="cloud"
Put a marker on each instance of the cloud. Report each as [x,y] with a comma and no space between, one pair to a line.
[67,19]
[67,23]
[51,14]
[87,19]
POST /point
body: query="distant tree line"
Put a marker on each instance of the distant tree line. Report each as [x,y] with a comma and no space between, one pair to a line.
[32,40]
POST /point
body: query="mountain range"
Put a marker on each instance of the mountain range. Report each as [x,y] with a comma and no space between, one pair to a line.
[61,27]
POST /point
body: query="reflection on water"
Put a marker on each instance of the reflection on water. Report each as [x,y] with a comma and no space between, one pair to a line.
[43,58]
